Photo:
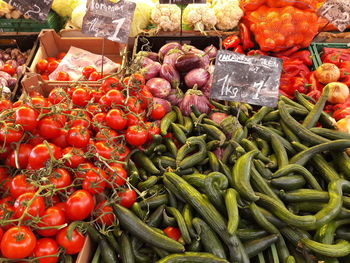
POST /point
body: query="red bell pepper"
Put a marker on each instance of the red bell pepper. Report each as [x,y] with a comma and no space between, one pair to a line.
[257,52]
[346,80]
[295,67]
[239,49]
[315,94]
[304,56]
[287,52]
[344,69]
[231,42]
[246,39]
[314,83]
[341,113]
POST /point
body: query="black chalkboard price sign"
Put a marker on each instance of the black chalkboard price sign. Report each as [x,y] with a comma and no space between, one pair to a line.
[337,12]
[36,9]
[109,20]
[182,2]
[248,79]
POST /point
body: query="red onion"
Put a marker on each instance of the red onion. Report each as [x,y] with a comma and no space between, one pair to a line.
[5,75]
[169,73]
[206,89]
[11,83]
[171,57]
[195,98]
[166,104]
[218,117]
[20,70]
[198,76]
[211,51]
[145,61]
[159,87]
[175,97]
[167,47]
[187,62]
[151,70]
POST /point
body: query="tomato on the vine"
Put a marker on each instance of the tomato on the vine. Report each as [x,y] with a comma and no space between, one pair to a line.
[116,175]
[49,128]
[87,71]
[18,242]
[122,151]
[52,66]
[10,133]
[99,120]
[82,170]
[134,105]
[27,118]
[158,112]
[95,76]
[106,134]
[94,181]
[104,214]
[5,104]
[46,250]
[78,137]
[115,119]
[79,205]
[134,119]
[127,198]
[62,76]
[115,97]
[61,140]
[153,129]
[134,79]
[96,95]
[37,207]
[74,156]
[111,83]
[145,97]
[9,69]
[81,97]
[41,66]
[73,245]
[23,153]
[136,135]
[40,155]
[172,232]
[60,178]
[52,217]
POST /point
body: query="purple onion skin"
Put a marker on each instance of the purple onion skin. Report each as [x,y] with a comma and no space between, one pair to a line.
[21,60]
[11,83]
[200,101]
[151,55]
[206,89]
[5,75]
[20,70]
[171,58]
[175,97]
[167,47]
[159,87]
[187,62]
[6,57]
[211,51]
[146,61]
[151,70]
[165,103]
[3,82]
[169,73]
[197,76]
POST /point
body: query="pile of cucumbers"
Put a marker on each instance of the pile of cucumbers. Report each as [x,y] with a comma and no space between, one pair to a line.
[264,185]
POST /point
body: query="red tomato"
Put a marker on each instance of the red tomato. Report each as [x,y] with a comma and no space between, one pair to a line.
[172,232]
[57,95]
[82,169]
[136,135]
[99,120]
[23,153]
[37,208]
[87,71]
[133,105]
[72,246]
[5,150]
[135,79]
[106,134]
[18,242]
[9,69]
[52,65]
[41,66]
[115,119]
[122,152]
[49,59]
[104,214]
[1,233]
[62,76]
[104,149]
[116,175]
[49,128]
[41,104]
[145,97]
[78,137]
[61,140]
[60,178]
[93,109]
[6,213]
[5,180]
[61,55]
[104,103]
[94,76]
[9,133]
[52,217]
[40,155]
[158,112]
[79,205]
[81,97]
[5,104]
[127,198]
[134,119]
[96,95]
[27,117]
[115,97]
[36,139]
[153,129]
[94,181]
[111,83]
[46,247]
[75,156]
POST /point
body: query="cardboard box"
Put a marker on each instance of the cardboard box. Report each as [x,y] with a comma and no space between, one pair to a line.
[51,44]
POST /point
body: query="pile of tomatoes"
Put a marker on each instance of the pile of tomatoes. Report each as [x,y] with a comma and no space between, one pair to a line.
[61,154]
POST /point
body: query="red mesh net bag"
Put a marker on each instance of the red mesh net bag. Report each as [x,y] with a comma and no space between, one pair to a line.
[280,24]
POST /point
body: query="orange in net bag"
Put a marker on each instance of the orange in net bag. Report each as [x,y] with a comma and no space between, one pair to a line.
[278,29]
[251,5]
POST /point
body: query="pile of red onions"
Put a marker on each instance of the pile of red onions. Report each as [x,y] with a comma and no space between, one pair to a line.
[177,69]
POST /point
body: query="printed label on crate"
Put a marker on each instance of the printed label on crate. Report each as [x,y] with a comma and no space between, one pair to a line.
[337,12]
[36,9]
[109,20]
[182,2]
[248,79]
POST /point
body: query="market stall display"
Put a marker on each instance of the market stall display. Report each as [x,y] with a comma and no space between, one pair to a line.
[122,152]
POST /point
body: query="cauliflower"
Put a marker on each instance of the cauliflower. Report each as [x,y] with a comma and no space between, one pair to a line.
[142,16]
[199,17]
[228,13]
[166,17]
[66,7]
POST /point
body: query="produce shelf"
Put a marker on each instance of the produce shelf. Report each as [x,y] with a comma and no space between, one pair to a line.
[316,51]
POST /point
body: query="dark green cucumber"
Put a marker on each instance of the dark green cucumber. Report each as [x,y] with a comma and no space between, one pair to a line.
[254,247]
[127,256]
[193,257]
[165,123]
[144,162]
